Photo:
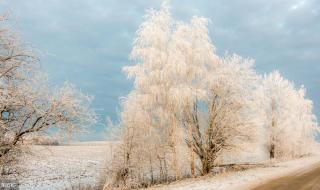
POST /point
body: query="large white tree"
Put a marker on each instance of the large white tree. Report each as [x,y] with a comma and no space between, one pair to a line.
[292,126]
[177,70]
[147,115]
[232,111]
[173,60]
[189,108]
[191,55]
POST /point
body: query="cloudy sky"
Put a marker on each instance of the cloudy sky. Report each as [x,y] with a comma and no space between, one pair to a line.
[88,41]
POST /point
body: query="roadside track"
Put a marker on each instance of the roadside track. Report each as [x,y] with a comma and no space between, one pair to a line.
[306,180]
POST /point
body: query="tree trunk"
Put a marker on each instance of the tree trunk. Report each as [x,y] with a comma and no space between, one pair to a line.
[271,151]
[192,164]
[205,166]
[174,151]
[151,169]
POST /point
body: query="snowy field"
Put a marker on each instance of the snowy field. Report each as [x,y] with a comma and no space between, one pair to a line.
[59,167]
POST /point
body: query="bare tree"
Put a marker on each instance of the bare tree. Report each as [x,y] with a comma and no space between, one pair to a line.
[14,58]
[28,105]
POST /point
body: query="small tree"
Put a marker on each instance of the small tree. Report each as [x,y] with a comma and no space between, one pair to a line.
[27,103]
[14,59]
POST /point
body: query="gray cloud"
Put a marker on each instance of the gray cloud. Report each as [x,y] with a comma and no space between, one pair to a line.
[88,41]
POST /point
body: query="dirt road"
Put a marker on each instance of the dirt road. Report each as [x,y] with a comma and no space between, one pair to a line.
[307,180]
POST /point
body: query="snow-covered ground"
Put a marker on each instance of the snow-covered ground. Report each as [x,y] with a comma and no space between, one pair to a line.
[59,167]
[244,180]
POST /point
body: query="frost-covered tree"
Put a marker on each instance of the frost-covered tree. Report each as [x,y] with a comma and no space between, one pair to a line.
[232,109]
[192,53]
[173,58]
[148,116]
[176,71]
[35,108]
[292,126]
[28,105]
[189,108]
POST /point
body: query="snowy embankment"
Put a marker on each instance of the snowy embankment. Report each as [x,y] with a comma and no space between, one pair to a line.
[244,180]
[59,167]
